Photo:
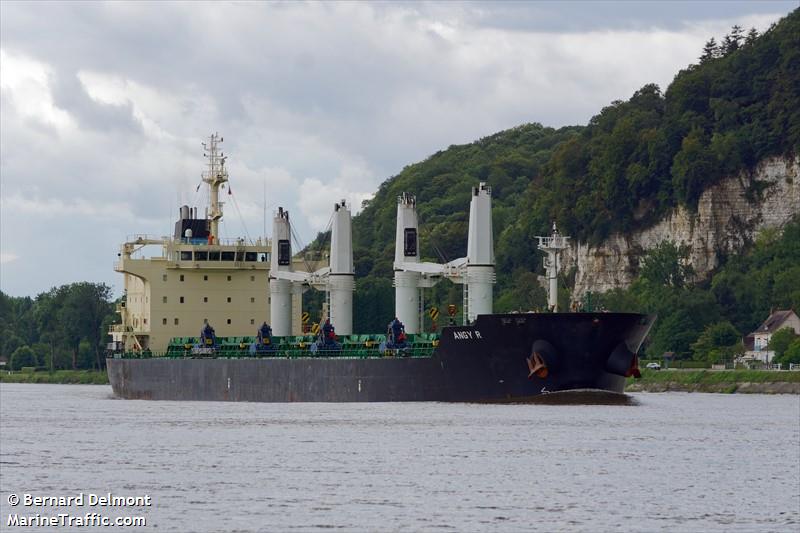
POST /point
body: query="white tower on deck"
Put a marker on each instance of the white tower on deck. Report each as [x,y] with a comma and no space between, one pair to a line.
[341,279]
[215,176]
[476,270]
[406,253]
[553,245]
[480,253]
[337,278]
[280,289]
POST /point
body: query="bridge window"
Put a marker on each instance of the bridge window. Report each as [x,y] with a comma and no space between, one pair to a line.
[201,256]
[227,256]
[213,256]
[186,256]
[250,256]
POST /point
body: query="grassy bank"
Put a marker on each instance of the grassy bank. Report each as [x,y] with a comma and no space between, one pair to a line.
[755,381]
[85,377]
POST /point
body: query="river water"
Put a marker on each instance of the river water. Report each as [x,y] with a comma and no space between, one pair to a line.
[674,462]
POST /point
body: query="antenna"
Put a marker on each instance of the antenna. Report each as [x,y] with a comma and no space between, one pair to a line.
[264,204]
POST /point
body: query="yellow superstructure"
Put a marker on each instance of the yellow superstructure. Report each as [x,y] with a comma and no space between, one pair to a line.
[195,278]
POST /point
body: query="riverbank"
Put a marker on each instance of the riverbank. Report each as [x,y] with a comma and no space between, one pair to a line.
[83,377]
[721,381]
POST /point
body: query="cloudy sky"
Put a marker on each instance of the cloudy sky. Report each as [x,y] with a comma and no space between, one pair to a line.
[104,105]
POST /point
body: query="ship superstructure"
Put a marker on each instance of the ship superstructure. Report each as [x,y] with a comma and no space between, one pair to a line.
[197,276]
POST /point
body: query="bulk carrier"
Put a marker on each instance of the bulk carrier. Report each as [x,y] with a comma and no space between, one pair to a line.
[245,298]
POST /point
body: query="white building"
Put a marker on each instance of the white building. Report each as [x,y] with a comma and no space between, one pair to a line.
[756,343]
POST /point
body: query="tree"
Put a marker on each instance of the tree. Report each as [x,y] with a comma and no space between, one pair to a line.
[710,51]
[22,357]
[752,35]
[717,343]
[781,340]
[524,294]
[791,355]
[666,265]
[732,41]
[46,315]
[84,309]
[10,342]
[693,168]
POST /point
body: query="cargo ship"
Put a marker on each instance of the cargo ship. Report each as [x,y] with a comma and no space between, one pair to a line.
[263,354]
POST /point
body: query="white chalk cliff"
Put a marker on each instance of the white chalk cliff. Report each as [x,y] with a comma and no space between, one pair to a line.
[729,216]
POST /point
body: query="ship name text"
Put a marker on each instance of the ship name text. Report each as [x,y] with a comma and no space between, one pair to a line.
[466,335]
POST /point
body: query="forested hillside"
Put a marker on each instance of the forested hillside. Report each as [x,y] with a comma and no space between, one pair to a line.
[631,164]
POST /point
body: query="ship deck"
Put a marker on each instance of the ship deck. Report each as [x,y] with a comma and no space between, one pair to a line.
[292,347]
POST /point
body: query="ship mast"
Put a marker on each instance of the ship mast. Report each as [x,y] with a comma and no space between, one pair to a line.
[215,176]
[553,246]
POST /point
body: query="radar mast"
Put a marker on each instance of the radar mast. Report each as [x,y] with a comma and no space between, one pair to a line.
[215,176]
[553,246]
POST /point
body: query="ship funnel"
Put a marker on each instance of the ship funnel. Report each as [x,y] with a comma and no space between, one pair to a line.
[341,279]
[280,290]
[480,253]
[406,282]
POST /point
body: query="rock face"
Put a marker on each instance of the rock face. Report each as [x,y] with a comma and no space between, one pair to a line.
[729,216]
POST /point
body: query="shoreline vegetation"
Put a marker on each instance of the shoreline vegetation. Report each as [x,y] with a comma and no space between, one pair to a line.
[718,381]
[77,377]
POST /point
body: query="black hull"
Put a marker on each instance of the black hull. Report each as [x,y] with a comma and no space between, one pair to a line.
[481,363]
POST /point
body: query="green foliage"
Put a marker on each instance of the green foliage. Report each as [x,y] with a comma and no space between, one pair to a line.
[792,354]
[63,327]
[711,377]
[786,345]
[781,340]
[84,377]
[374,299]
[22,356]
[718,343]
[683,315]
[667,265]
[749,285]
[529,296]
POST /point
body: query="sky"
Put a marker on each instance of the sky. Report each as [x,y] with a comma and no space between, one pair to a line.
[103,106]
